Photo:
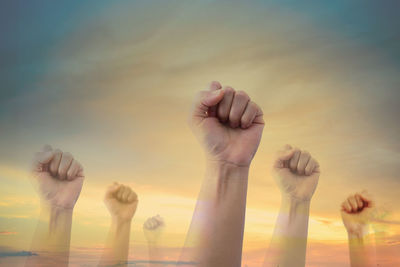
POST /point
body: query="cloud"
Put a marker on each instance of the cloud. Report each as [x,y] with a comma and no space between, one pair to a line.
[9,252]
[7,233]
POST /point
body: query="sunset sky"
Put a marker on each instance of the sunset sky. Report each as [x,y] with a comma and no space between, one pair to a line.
[112,82]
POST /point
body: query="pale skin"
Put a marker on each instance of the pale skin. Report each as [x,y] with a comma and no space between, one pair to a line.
[58,178]
[356,213]
[228,126]
[121,201]
[296,173]
[153,229]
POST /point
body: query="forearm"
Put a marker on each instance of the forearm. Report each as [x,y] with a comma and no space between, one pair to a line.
[154,254]
[289,241]
[216,233]
[362,251]
[51,240]
[117,244]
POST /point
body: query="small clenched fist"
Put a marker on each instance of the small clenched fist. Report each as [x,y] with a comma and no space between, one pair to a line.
[296,173]
[357,212]
[58,177]
[153,228]
[121,201]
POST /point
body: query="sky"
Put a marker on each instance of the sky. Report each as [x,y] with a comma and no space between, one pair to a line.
[112,83]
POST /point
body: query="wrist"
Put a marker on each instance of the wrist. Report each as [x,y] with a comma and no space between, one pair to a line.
[121,221]
[296,205]
[224,169]
[357,234]
[291,200]
[51,208]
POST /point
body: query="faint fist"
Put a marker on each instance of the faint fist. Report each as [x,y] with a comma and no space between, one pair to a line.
[153,228]
[58,177]
[228,124]
[296,173]
[121,201]
[356,212]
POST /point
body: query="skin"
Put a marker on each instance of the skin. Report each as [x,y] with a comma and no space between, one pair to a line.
[296,172]
[153,229]
[356,213]
[58,179]
[121,202]
[228,126]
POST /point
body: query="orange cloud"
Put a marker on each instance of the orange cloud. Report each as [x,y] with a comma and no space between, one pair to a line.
[8,233]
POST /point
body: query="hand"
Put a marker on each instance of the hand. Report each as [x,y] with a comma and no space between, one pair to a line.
[121,202]
[228,124]
[153,228]
[356,212]
[58,176]
[296,173]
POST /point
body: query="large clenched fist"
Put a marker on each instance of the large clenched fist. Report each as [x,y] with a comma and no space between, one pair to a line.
[357,212]
[228,124]
[153,228]
[58,176]
[296,173]
[121,201]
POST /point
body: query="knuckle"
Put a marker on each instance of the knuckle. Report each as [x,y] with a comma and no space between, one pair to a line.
[242,94]
[229,89]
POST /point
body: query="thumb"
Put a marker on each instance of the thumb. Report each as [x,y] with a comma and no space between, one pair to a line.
[112,189]
[42,158]
[206,100]
[282,157]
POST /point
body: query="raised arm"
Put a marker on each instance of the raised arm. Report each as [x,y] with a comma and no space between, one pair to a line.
[296,174]
[356,214]
[153,229]
[121,202]
[229,127]
[58,178]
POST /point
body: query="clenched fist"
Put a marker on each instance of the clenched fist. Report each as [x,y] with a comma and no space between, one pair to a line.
[58,176]
[228,124]
[357,212]
[121,202]
[153,228]
[296,173]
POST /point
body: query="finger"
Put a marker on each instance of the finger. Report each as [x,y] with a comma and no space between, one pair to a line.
[80,171]
[353,203]
[239,103]
[303,160]
[347,206]
[65,163]
[41,159]
[249,115]
[152,223]
[294,160]
[132,197]
[214,85]
[112,190]
[310,167]
[365,196]
[73,170]
[224,106]
[259,119]
[55,163]
[283,157]
[367,199]
[125,195]
[212,112]
[120,192]
[359,202]
[204,101]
